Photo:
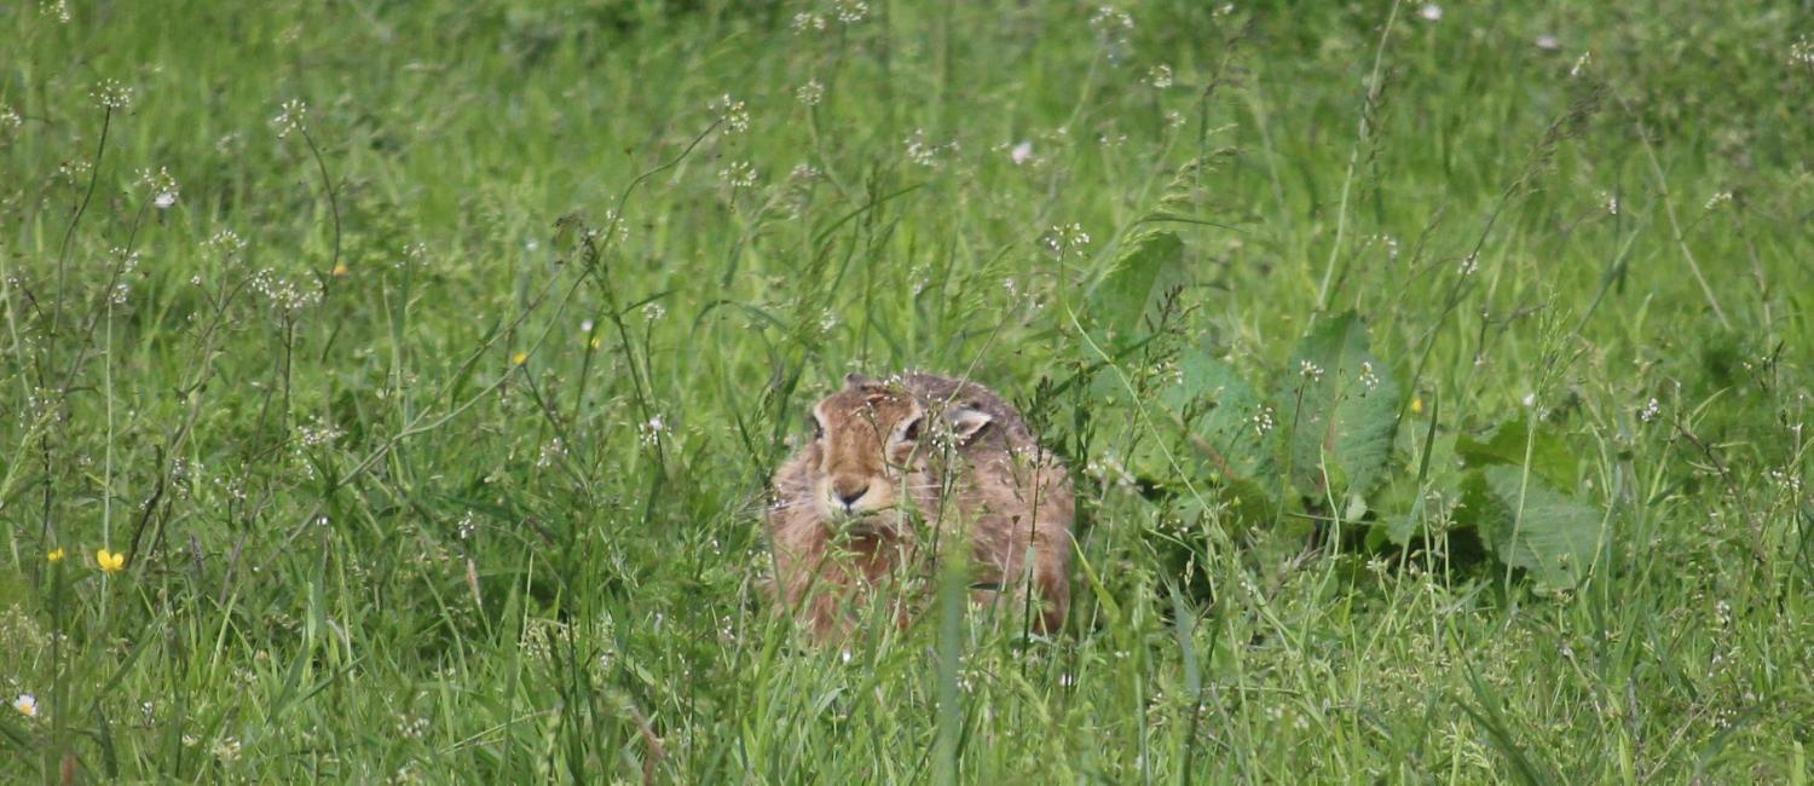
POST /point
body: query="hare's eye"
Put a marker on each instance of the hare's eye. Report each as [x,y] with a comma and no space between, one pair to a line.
[912,432]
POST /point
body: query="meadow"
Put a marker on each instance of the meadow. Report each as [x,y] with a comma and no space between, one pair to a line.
[389,392]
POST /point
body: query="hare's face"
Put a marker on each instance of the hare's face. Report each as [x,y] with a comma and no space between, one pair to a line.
[872,444]
[867,437]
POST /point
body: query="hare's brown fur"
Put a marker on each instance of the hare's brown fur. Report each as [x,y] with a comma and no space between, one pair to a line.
[945,453]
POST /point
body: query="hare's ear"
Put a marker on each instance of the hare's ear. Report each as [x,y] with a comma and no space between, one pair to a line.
[854,380]
[967,422]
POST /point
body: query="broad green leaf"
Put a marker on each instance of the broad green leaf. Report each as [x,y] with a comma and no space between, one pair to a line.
[1550,456]
[1209,424]
[1221,417]
[1553,536]
[1132,291]
[1340,405]
[1400,528]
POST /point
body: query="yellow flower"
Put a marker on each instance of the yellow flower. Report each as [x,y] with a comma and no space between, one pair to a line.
[27,705]
[1417,405]
[56,555]
[341,270]
[111,562]
[598,341]
[519,358]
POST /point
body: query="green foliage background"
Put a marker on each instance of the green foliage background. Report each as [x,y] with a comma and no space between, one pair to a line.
[1435,379]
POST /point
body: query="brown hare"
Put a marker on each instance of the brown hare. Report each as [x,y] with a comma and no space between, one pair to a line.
[903,470]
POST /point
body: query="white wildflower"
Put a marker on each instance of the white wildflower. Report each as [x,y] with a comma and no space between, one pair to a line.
[652,431]
[317,432]
[412,727]
[1111,22]
[112,94]
[1802,51]
[1581,64]
[290,117]
[923,152]
[1262,421]
[810,93]
[284,294]
[732,113]
[808,22]
[1063,239]
[227,242]
[1470,264]
[850,12]
[804,173]
[226,749]
[57,9]
[161,186]
[738,174]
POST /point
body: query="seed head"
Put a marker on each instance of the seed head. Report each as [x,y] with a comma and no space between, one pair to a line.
[290,117]
[1802,52]
[850,12]
[810,93]
[111,94]
[808,22]
[732,113]
[161,186]
[738,174]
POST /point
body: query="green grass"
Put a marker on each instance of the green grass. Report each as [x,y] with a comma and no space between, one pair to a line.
[367,544]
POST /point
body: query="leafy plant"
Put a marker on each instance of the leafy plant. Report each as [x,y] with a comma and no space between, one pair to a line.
[1124,304]
[1517,440]
[1223,421]
[1512,495]
[1216,432]
[1342,411]
[1530,525]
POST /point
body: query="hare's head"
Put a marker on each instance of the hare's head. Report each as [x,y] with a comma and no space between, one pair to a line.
[873,440]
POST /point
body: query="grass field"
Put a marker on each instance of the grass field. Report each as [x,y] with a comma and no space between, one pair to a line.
[390,390]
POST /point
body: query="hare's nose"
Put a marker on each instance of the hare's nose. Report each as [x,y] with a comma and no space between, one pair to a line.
[849,496]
